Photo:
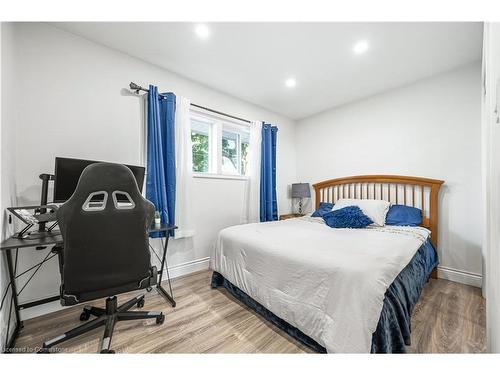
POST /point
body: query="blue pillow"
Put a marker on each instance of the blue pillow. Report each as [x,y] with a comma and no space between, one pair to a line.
[347,217]
[403,215]
[323,209]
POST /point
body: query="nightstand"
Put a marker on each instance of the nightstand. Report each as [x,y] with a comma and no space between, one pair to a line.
[290,216]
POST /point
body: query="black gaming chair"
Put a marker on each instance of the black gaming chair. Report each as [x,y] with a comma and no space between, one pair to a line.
[106,251]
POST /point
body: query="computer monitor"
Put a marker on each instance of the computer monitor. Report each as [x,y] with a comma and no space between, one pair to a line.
[68,171]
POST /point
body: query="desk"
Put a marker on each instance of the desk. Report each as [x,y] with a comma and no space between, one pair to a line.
[163,228]
[14,244]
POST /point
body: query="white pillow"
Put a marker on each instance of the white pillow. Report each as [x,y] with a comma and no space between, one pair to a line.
[375,209]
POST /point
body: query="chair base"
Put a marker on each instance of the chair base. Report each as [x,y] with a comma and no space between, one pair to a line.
[107,317]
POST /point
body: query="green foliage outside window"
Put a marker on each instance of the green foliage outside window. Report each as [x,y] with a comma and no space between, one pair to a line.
[230,151]
[200,152]
[234,149]
[244,158]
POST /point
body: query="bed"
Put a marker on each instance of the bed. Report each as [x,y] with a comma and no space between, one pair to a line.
[336,290]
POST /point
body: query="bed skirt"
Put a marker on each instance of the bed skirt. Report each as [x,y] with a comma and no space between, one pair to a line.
[393,331]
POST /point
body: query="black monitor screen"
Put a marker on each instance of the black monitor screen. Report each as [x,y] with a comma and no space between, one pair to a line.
[68,171]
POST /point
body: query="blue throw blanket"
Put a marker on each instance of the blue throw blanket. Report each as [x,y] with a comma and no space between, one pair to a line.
[393,331]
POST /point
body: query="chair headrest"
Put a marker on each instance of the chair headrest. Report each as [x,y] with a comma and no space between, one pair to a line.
[107,177]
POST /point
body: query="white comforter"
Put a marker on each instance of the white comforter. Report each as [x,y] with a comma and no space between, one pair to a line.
[329,283]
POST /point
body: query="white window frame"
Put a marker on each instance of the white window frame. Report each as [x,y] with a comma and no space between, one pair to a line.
[217,123]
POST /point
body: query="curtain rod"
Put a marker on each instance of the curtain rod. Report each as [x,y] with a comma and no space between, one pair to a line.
[138,88]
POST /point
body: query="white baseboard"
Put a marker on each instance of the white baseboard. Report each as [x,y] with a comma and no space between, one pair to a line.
[40,310]
[178,270]
[459,276]
[187,268]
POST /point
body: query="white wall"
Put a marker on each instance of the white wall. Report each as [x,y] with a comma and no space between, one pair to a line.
[431,129]
[7,185]
[7,141]
[491,174]
[70,101]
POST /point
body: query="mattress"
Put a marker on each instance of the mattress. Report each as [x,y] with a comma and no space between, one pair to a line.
[329,284]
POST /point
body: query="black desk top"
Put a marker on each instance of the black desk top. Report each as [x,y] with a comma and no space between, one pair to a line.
[18,243]
[161,228]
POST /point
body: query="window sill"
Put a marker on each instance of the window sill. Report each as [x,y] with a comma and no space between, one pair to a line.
[219,176]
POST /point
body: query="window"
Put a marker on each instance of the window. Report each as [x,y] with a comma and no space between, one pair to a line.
[220,145]
[234,150]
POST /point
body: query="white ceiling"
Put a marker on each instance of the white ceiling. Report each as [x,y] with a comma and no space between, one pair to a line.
[251,61]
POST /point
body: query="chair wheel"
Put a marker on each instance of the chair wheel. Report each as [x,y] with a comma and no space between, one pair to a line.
[107,351]
[85,315]
[140,303]
[160,319]
[149,289]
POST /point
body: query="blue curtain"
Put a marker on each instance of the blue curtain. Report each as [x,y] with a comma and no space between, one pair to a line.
[268,200]
[160,181]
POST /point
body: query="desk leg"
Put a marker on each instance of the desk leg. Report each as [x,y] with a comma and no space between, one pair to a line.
[160,288]
[9,344]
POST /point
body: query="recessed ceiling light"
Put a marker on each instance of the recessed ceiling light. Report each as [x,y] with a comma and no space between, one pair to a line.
[360,47]
[202,31]
[290,82]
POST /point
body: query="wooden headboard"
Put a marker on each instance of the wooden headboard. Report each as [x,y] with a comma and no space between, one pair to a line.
[411,191]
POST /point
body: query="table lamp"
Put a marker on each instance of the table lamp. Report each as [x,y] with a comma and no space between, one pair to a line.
[301,191]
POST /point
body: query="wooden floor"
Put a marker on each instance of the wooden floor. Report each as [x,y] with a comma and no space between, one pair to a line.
[449,318]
